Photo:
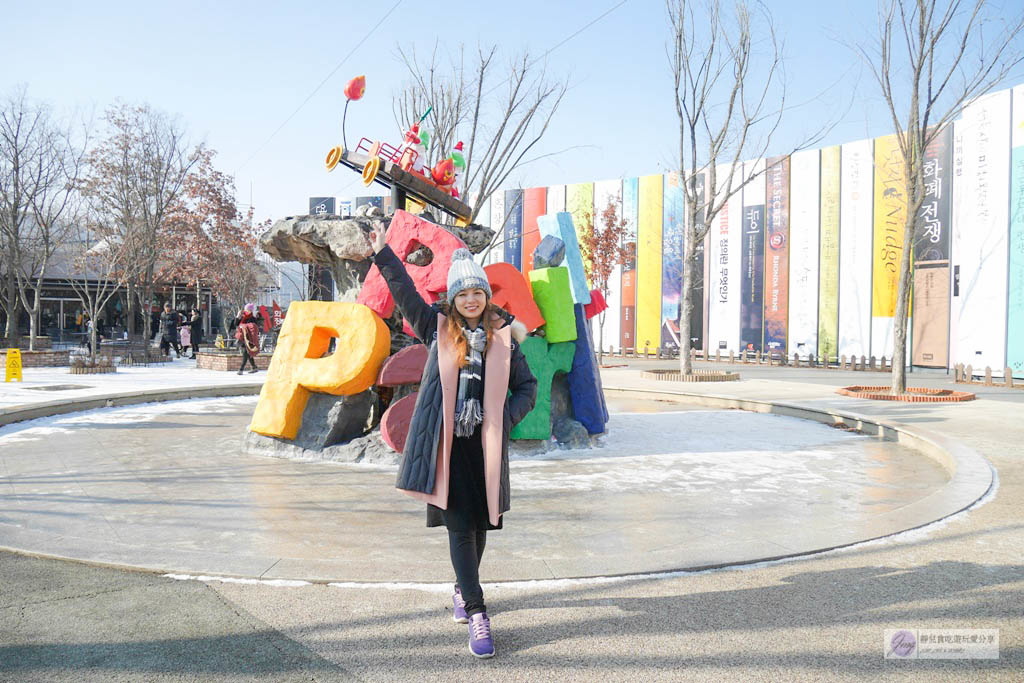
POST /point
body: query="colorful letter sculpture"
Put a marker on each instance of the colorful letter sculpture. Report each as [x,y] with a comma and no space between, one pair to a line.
[585,381]
[560,225]
[553,296]
[405,367]
[597,304]
[404,236]
[511,292]
[394,425]
[298,366]
[544,360]
[549,253]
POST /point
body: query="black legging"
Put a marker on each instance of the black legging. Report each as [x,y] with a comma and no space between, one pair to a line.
[467,549]
[247,358]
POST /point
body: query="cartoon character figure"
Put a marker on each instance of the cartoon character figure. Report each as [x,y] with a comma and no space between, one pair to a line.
[411,141]
[459,164]
[443,174]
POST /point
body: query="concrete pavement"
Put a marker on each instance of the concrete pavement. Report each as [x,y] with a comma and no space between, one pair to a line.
[819,618]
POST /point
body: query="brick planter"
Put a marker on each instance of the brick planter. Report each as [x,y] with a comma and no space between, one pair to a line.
[696,376]
[42,343]
[209,360]
[40,359]
[913,395]
[98,370]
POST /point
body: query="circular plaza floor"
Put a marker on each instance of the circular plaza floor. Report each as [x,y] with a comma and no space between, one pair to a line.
[164,487]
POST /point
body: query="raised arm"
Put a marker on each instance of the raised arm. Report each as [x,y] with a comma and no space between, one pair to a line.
[417,312]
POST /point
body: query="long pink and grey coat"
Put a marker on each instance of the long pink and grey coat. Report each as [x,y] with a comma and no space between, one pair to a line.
[510,391]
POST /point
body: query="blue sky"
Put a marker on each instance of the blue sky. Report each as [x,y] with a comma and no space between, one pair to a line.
[236,71]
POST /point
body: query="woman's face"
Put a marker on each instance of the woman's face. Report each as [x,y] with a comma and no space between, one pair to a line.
[470,304]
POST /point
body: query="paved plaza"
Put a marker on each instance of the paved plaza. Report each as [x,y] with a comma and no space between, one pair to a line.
[330,575]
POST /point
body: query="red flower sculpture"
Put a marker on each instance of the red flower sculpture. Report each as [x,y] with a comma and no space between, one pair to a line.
[355,88]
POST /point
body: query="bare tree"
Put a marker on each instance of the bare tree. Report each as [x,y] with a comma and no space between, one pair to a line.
[100,264]
[55,205]
[730,96]
[25,135]
[500,120]
[138,174]
[931,58]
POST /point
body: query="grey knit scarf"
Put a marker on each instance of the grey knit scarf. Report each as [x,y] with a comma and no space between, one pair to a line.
[469,406]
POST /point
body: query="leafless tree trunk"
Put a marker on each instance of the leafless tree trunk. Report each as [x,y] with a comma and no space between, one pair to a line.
[500,121]
[137,173]
[101,264]
[24,130]
[729,100]
[931,58]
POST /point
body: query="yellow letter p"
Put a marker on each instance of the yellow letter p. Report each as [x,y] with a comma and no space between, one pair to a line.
[298,366]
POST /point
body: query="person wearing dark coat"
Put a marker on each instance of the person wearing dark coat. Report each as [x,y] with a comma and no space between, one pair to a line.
[169,322]
[196,326]
[475,387]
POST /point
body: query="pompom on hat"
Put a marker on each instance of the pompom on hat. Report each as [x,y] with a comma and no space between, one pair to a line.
[465,273]
[250,308]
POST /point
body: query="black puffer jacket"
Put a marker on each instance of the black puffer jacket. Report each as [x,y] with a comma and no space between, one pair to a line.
[418,468]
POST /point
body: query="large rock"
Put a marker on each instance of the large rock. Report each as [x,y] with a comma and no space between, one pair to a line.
[570,434]
[369,449]
[329,420]
[549,253]
[476,237]
[340,244]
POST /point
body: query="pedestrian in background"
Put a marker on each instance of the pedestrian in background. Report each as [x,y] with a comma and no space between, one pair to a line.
[169,322]
[196,329]
[248,336]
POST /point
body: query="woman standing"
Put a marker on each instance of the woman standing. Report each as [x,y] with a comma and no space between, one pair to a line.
[456,454]
[248,336]
[195,324]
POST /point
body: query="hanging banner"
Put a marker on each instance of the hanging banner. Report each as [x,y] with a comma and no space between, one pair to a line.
[752,280]
[725,238]
[534,204]
[930,322]
[855,249]
[579,201]
[828,255]
[648,264]
[980,234]
[890,217]
[701,274]
[672,224]
[609,193]
[803,254]
[1015,312]
[498,225]
[556,198]
[776,265]
[513,251]
[630,213]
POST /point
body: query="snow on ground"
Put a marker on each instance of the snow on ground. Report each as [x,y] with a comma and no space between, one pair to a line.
[124,415]
[179,373]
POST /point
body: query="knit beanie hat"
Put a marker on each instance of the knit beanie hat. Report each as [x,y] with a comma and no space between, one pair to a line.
[465,273]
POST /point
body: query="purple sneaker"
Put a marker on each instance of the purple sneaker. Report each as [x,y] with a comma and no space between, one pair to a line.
[481,644]
[459,615]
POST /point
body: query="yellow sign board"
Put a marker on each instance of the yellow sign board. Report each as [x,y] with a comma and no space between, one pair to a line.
[13,365]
